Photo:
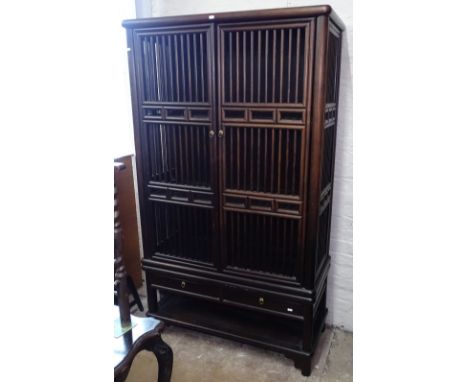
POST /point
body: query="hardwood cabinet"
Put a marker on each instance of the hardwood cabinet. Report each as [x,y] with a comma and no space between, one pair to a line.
[235,124]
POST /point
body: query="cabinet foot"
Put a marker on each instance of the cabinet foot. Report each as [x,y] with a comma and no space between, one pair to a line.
[304,364]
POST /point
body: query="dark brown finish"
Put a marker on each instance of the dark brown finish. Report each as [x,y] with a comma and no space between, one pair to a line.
[145,335]
[235,129]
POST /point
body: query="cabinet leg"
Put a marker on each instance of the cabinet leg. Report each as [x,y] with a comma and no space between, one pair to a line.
[152,300]
[304,364]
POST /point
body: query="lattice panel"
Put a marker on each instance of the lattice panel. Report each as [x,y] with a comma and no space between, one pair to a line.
[330,114]
[179,153]
[264,64]
[327,156]
[263,159]
[262,243]
[175,65]
[323,236]
[328,149]
[262,205]
[333,58]
[184,232]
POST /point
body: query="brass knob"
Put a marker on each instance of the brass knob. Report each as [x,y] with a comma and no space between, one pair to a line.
[182,284]
[220,133]
[261,301]
[211,133]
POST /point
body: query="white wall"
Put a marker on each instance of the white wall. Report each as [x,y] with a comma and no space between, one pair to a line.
[143,8]
[340,292]
[116,56]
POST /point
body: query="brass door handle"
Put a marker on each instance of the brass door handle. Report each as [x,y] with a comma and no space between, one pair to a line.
[211,133]
[220,133]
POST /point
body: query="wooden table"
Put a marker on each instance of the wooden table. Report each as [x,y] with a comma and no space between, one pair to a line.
[145,335]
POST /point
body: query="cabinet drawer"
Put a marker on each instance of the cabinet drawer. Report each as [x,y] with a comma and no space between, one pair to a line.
[185,285]
[257,300]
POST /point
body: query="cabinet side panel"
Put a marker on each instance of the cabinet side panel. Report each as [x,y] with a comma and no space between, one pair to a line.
[330,117]
[316,137]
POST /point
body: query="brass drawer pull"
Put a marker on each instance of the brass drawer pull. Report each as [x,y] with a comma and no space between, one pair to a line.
[182,284]
[220,133]
[261,301]
[211,133]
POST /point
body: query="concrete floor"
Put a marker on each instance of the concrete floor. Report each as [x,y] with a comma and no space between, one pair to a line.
[206,358]
[200,357]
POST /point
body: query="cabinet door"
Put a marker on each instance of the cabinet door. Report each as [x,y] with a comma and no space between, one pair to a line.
[177,148]
[264,105]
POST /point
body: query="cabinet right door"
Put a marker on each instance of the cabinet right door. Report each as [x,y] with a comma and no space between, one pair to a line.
[263,99]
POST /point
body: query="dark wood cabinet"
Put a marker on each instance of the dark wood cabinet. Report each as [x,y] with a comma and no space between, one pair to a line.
[235,118]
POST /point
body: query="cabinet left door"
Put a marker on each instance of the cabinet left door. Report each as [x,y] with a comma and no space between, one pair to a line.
[172,71]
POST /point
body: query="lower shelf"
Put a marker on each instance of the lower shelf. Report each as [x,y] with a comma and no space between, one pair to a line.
[275,333]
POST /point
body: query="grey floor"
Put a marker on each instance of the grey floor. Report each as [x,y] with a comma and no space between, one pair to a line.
[201,357]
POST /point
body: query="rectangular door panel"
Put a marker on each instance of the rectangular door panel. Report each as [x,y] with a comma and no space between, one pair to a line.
[262,243]
[179,154]
[264,64]
[176,64]
[183,232]
[263,159]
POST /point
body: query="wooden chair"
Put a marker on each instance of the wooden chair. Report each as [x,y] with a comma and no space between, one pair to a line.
[139,333]
[132,291]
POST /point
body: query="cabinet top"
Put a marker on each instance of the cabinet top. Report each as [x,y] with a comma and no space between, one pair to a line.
[261,14]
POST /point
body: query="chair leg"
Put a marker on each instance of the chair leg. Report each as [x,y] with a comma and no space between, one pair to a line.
[134,292]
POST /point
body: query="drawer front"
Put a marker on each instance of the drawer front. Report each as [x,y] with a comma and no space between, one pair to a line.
[262,301]
[184,285]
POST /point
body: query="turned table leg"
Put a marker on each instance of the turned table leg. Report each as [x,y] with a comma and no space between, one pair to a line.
[163,354]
